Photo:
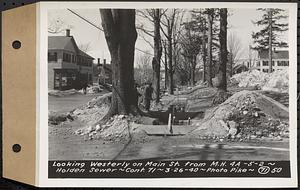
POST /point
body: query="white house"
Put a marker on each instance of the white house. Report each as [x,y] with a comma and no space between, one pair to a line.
[280,60]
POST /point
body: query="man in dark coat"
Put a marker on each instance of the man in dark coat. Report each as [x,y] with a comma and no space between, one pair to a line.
[148,96]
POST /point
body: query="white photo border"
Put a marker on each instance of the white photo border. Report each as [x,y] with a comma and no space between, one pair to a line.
[209,182]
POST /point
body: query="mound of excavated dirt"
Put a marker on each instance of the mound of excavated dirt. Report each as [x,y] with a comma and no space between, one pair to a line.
[55,118]
[278,81]
[116,129]
[250,79]
[245,115]
[94,110]
[62,93]
[187,98]
[92,90]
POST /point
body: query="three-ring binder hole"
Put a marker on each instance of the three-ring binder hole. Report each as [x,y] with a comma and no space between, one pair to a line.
[16,44]
[16,148]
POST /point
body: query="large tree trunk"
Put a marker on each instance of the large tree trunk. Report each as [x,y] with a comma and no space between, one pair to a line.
[170,61]
[270,41]
[204,53]
[157,54]
[222,94]
[223,49]
[230,64]
[209,46]
[193,61]
[166,65]
[120,34]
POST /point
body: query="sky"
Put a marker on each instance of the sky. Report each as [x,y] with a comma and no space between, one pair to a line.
[239,23]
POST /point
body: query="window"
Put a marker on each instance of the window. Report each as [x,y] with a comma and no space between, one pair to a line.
[265,63]
[273,63]
[283,63]
[67,57]
[265,70]
[258,64]
[52,56]
[73,59]
[79,60]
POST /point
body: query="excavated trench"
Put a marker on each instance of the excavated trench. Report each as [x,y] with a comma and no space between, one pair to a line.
[178,117]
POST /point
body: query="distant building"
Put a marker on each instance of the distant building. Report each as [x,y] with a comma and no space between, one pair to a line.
[68,66]
[280,60]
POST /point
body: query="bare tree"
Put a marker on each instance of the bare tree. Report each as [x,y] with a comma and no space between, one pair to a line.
[85,47]
[58,25]
[144,72]
[157,53]
[235,50]
[210,14]
[154,17]
[120,34]
[171,25]
[191,41]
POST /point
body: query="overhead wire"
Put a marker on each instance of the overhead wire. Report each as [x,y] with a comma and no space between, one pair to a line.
[101,29]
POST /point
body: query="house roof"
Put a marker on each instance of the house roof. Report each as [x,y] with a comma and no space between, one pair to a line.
[278,54]
[63,42]
[82,53]
[58,42]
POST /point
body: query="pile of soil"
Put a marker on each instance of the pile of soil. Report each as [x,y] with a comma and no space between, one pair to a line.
[116,129]
[252,78]
[244,116]
[93,111]
[92,90]
[60,93]
[164,103]
[187,98]
[55,118]
[278,81]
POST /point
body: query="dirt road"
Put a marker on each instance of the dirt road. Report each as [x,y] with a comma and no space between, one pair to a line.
[65,145]
[68,103]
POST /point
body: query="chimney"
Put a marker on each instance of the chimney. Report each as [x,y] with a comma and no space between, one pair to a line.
[68,32]
[104,63]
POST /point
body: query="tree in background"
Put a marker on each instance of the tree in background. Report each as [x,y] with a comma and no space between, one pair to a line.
[198,26]
[143,72]
[85,47]
[190,42]
[154,17]
[120,34]
[235,50]
[210,18]
[221,75]
[267,37]
[171,24]
[58,25]
[157,53]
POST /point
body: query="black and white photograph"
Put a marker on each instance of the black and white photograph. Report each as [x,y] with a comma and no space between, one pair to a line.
[169,84]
